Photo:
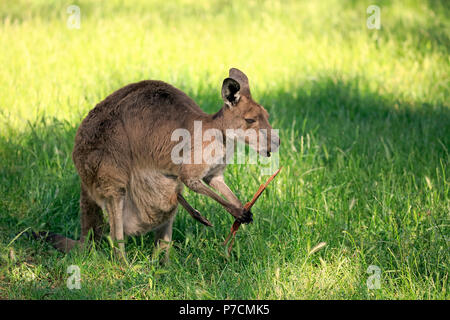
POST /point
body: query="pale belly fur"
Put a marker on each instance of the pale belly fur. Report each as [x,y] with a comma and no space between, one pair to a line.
[151,200]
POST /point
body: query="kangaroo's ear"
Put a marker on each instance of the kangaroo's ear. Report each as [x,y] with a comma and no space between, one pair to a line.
[240,77]
[230,92]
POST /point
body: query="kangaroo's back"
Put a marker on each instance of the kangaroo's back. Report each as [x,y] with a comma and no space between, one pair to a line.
[132,124]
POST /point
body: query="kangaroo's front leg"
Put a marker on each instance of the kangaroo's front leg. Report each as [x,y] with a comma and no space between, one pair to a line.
[218,183]
[114,207]
[194,213]
[198,186]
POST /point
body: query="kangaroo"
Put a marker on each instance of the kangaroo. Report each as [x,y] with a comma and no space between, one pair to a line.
[122,153]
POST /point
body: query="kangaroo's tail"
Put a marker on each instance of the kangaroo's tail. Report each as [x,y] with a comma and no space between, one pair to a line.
[57,241]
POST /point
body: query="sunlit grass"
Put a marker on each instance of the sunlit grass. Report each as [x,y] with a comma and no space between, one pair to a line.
[363,116]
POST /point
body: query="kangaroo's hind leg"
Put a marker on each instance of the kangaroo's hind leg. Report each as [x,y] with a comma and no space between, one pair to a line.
[91,217]
[114,207]
[163,237]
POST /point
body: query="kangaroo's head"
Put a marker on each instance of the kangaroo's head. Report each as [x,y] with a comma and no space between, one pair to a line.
[244,118]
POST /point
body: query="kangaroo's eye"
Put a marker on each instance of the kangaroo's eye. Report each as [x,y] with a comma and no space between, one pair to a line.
[250,120]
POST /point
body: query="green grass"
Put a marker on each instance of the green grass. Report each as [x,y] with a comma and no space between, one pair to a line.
[364,119]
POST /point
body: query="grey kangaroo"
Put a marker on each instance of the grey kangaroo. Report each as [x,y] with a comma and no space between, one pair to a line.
[123,150]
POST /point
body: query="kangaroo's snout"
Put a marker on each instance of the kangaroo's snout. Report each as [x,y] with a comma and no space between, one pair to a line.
[273,145]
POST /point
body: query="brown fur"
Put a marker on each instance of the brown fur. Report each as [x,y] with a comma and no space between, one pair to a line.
[123,150]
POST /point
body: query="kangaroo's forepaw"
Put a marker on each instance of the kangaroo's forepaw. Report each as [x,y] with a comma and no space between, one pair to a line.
[246,216]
